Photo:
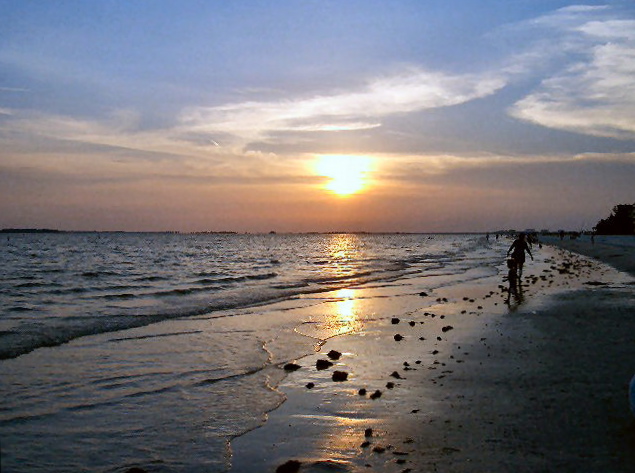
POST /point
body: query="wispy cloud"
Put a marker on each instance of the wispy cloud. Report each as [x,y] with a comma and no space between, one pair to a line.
[120,130]
[198,130]
[410,91]
[13,89]
[594,93]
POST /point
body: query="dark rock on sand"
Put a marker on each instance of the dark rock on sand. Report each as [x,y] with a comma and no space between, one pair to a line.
[368,433]
[395,374]
[136,469]
[423,294]
[376,395]
[334,355]
[395,320]
[291,367]
[292,466]
[390,385]
[310,385]
[323,364]
[398,337]
[362,392]
[412,323]
[447,328]
[340,376]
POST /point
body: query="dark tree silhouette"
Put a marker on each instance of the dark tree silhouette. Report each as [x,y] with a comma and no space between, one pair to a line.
[620,222]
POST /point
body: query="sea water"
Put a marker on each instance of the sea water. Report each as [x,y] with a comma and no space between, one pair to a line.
[121,349]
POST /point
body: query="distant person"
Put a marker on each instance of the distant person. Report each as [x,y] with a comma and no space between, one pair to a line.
[518,249]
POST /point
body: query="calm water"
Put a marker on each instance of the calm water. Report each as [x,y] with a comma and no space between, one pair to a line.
[156,349]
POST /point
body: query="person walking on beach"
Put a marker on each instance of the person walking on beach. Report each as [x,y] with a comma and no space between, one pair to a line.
[517,250]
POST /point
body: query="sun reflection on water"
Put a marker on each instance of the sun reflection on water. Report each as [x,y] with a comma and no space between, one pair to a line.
[345,317]
[344,252]
[342,310]
[346,304]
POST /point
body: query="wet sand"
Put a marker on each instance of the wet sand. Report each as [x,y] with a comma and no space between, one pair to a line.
[457,380]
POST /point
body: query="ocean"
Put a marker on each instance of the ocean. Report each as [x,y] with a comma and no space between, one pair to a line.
[152,349]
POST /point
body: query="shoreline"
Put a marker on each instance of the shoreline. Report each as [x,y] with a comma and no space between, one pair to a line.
[619,254]
[473,384]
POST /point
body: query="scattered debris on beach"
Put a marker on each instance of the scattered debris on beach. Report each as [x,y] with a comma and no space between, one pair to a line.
[292,466]
[340,376]
[334,355]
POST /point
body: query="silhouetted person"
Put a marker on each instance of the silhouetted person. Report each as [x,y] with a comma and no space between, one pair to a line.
[517,250]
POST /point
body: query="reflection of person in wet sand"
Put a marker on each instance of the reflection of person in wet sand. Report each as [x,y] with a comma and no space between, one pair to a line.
[512,278]
[517,250]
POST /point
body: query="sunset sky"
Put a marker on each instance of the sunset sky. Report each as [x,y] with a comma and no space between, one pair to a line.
[315,115]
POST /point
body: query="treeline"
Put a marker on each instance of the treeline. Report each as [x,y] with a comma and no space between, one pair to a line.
[29,230]
[620,222]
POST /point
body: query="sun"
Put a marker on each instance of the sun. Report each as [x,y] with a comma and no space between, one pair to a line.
[347,174]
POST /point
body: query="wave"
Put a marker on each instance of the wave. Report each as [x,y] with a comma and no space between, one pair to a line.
[151,278]
[249,277]
[125,295]
[200,288]
[34,336]
[27,285]
[21,308]
[98,274]
[296,285]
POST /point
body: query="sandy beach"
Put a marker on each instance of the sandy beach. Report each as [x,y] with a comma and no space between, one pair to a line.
[458,380]
[616,251]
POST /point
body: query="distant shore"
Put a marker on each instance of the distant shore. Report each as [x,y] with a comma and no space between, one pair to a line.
[230,232]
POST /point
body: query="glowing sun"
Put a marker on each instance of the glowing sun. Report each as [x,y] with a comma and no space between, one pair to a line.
[347,174]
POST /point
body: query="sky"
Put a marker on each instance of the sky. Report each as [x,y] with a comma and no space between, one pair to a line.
[315,115]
